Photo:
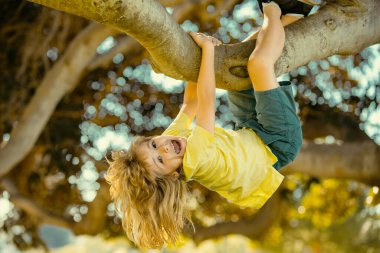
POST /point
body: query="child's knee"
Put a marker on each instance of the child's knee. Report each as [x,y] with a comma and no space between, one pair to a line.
[258,62]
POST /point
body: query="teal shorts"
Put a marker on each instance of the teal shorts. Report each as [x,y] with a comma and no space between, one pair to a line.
[272,115]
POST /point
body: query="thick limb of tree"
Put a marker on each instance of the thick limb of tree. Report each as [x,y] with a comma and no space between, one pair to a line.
[358,161]
[322,120]
[175,54]
[355,156]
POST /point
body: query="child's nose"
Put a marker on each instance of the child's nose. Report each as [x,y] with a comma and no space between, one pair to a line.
[164,147]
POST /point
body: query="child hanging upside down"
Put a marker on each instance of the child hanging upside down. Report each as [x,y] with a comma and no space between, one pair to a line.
[149,179]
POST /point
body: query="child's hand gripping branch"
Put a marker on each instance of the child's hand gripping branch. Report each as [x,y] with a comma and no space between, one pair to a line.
[149,179]
[205,115]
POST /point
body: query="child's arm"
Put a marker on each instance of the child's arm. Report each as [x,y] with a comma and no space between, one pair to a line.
[189,106]
[205,114]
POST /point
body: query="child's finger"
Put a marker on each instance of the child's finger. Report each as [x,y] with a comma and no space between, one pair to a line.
[216,42]
[192,34]
[197,38]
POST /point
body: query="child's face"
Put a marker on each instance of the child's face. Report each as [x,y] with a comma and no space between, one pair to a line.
[163,154]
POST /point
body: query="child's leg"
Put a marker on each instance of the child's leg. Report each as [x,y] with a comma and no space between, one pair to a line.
[285,20]
[274,118]
[269,45]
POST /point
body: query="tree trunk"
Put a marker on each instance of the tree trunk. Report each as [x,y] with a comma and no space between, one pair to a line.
[175,54]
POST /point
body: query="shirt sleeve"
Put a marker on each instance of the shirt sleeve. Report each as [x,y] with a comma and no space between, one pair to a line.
[200,151]
[180,123]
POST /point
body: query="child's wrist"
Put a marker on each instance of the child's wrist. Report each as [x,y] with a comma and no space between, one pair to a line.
[208,47]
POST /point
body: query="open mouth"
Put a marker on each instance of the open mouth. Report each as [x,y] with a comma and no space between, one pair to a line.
[176,146]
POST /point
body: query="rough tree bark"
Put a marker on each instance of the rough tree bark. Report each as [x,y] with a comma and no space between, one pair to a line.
[176,55]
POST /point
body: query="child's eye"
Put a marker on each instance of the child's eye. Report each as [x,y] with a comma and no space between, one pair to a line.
[154,144]
[160,159]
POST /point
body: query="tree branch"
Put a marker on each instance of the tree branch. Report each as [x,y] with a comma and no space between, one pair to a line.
[358,161]
[32,208]
[322,120]
[175,54]
[254,228]
[60,80]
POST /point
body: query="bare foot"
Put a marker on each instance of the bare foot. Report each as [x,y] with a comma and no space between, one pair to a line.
[271,10]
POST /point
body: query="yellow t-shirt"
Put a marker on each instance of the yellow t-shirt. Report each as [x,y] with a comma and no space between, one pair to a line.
[236,164]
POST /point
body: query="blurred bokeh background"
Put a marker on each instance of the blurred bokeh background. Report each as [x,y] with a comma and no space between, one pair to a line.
[56,198]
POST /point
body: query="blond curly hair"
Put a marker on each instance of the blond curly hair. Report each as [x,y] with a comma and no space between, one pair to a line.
[153,208]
